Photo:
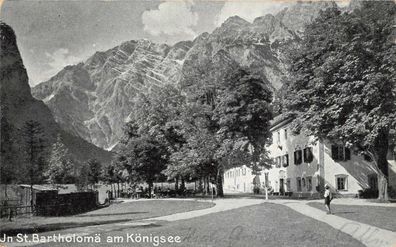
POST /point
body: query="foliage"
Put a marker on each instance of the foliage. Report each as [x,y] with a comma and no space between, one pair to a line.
[198,133]
[34,151]
[61,165]
[8,172]
[243,114]
[145,158]
[343,85]
[157,115]
[89,174]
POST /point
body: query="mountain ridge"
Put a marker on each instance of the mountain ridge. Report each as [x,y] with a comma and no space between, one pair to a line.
[93,99]
[18,107]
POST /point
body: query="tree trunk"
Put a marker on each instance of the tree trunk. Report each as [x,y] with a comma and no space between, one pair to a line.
[150,184]
[207,185]
[118,189]
[177,184]
[183,184]
[382,188]
[219,182]
[381,152]
[200,185]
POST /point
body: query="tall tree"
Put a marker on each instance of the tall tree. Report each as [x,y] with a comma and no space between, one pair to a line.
[228,122]
[8,167]
[159,116]
[144,157]
[89,174]
[343,80]
[61,165]
[34,146]
[94,168]
[243,113]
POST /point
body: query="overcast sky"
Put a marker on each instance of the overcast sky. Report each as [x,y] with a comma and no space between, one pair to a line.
[54,33]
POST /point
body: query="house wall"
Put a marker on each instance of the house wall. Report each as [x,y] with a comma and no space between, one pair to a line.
[322,169]
[287,144]
[392,168]
[239,179]
[356,169]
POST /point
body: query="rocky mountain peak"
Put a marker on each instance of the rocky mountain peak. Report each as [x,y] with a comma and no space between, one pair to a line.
[14,81]
[97,109]
[297,16]
[17,106]
[235,21]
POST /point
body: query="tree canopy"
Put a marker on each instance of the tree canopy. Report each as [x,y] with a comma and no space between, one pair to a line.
[343,78]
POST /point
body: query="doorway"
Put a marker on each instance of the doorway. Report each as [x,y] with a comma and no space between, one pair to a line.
[281,187]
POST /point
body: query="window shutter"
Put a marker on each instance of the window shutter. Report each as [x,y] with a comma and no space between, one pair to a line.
[297,157]
[285,160]
[334,152]
[347,154]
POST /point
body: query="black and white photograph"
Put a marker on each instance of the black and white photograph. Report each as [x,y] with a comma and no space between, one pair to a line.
[198,123]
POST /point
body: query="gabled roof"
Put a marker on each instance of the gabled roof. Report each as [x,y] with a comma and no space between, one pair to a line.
[38,187]
[280,121]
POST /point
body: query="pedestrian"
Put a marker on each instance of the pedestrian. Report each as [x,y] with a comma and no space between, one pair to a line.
[328,197]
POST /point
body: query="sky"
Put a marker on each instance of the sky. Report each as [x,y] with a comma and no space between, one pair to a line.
[52,34]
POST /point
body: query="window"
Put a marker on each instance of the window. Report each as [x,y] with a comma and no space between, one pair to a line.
[278,137]
[303,182]
[279,161]
[309,183]
[340,153]
[342,182]
[244,171]
[308,156]
[285,160]
[297,157]
[285,134]
[298,184]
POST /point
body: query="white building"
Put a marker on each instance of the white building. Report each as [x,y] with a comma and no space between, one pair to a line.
[302,165]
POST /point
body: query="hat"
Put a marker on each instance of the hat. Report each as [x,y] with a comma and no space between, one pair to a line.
[327,186]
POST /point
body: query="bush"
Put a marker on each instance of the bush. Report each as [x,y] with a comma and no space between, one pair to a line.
[391,192]
[368,193]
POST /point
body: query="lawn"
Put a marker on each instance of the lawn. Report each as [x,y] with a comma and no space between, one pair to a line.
[120,212]
[261,225]
[382,217]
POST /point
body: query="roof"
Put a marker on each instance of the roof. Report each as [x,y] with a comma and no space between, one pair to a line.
[38,187]
[279,121]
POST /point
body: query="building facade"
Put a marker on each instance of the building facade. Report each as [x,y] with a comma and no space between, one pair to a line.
[302,166]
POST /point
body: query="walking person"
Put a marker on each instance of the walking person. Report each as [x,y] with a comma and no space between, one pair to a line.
[328,197]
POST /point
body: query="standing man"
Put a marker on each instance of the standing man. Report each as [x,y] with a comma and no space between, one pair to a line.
[328,197]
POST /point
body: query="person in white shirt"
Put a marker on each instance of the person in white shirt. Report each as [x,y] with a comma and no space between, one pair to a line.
[328,197]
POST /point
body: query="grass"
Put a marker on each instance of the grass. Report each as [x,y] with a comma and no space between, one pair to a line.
[261,225]
[120,212]
[382,217]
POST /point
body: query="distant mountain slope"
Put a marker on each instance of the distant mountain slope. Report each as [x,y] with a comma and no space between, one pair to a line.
[94,99]
[18,106]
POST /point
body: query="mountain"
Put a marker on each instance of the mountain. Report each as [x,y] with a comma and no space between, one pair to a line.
[297,16]
[18,106]
[93,99]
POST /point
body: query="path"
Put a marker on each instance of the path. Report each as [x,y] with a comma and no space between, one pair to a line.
[357,202]
[368,235]
[220,206]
